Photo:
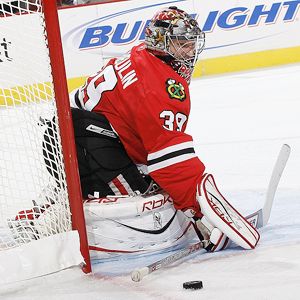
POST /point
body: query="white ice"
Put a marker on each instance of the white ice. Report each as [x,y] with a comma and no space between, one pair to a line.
[239,122]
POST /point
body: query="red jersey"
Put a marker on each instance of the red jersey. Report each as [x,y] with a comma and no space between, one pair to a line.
[148,105]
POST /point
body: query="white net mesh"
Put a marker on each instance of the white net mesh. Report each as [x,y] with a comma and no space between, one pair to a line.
[33,195]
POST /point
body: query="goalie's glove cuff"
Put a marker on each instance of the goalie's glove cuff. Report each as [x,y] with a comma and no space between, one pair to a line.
[213,239]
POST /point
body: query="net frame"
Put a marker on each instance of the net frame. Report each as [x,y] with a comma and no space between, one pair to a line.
[68,208]
[66,127]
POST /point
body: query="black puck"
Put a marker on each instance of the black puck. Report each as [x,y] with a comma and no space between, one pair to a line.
[193,285]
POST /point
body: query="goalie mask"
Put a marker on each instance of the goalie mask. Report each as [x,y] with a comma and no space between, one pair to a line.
[176,38]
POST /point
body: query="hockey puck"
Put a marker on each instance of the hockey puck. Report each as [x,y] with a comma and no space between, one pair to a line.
[193,285]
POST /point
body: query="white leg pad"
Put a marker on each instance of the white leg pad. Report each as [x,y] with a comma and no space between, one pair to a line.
[224,216]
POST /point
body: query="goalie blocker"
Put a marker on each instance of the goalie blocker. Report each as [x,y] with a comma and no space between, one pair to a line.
[221,219]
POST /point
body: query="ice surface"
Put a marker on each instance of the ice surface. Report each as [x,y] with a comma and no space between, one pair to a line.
[239,123]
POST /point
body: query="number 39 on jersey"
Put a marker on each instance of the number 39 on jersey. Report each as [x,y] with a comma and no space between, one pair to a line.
[173,121]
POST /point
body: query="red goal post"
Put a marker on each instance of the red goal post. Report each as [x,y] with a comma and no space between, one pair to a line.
[41,209]
[66,126]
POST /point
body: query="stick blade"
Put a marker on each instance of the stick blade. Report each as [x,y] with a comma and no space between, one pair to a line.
[274,181]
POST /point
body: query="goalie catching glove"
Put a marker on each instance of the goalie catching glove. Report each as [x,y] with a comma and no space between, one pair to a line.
[221,220]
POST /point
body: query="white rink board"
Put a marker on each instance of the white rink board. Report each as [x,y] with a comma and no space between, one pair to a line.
[233,27]
[19,47]
[93,33]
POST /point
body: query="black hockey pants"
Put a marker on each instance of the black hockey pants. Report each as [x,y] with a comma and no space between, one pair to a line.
[104,166]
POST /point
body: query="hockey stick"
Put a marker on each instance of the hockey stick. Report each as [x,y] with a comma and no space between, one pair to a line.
[138,274]
[258,219]
[261,217]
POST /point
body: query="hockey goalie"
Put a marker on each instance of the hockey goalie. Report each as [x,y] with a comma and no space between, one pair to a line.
[144,187]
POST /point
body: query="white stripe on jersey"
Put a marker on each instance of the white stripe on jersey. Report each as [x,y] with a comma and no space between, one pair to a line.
[171,161]
[170,156]
[170,149]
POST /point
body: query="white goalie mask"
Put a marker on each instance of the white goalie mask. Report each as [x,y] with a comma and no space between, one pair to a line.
[175,37]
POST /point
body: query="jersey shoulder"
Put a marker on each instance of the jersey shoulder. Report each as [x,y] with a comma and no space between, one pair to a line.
[146,63]
[157,76]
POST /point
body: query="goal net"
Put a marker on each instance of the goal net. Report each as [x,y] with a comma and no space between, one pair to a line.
[36,235]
